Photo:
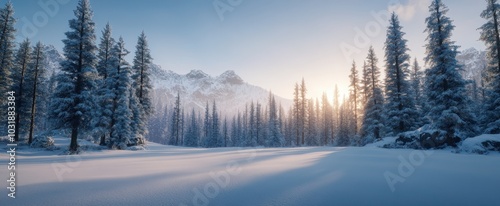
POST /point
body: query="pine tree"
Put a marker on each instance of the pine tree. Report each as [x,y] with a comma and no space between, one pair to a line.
[312,130]
[303,112]
[445,87]
[326,126]
[225,133]
[176,122]
[416,78]
[105,95]
[207,128]
[19,76]
[37,74]
[142,82]
[296,114]
[490,35]
[121,134]
[7,49]
[372,118]
[275,137]
[354,95]
[401,112]
[215,136]
[73,101]
[192,133]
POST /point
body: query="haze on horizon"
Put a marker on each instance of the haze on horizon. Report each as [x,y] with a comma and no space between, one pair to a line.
[272,44]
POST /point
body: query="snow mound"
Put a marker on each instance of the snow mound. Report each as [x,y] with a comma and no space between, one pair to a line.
[482,144]
[46,142]
[382,143]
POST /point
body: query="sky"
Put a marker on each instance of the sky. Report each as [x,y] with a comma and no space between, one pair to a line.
[269,43]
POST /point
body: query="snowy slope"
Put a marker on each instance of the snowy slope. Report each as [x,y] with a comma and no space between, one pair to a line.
[167,175]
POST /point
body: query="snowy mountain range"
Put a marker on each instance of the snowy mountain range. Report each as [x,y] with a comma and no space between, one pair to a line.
[196,88]
[473,62]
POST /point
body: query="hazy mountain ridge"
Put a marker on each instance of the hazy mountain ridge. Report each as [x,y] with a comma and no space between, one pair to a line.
[196,88]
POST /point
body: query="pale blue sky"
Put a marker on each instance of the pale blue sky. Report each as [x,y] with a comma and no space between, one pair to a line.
[269,43]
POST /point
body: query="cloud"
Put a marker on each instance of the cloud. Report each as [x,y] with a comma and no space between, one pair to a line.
[407,11]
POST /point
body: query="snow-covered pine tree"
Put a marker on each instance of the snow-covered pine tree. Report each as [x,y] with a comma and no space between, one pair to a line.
[295,117]
[193,131]
[121,135]
[326,122]
[372,118]
[142,82]
[225,133]
[335,114]
[175,129]
[312,124]
[400,109]
[416,78]
[215,130]
[445,87]
[354,94]
[19,76]
[105,96]
[7,49]
[303,110]
[490,35]
[38,86]
[275,137]
[73,101]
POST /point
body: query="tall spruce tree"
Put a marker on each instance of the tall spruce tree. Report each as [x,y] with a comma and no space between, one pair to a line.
[73,101]
[121,135]
[37,79]
[401,112]
[105,95]
[7,48]
[372,119]
[354,95]
[490,35]
[142,82]
[19,76]
[445,87]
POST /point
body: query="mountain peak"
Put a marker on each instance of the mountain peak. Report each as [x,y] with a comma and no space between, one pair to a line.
[196,74]
[230,77]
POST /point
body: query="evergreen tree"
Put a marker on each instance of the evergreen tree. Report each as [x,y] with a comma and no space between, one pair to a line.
[445,87]
[400,107]
[192,133]
[225,133]
[142,81]
[303,112]
[490,35]
[275,137]
[7,49]
[121,134]
[326,122]
[416,78]
[19,76]
[354,95]
[312,130]
[295,117]
[215,130]
[105,95]
[207,128]
[372,118]
[176,122]
[37,73]
[73,101]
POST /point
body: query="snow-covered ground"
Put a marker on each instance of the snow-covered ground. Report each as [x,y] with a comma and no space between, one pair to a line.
[166,175]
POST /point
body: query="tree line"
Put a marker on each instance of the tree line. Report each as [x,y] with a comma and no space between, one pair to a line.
[97,92]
